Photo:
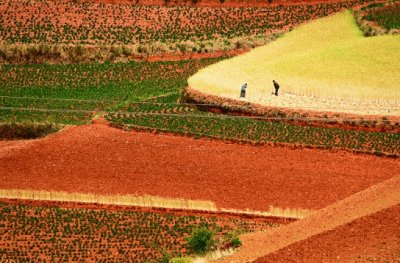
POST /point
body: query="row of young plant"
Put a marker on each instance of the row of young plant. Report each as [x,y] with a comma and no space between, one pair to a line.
[58,234]
[251,130]
[72,94]
[91,23]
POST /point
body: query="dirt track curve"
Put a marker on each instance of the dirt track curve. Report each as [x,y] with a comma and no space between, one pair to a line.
[104,160]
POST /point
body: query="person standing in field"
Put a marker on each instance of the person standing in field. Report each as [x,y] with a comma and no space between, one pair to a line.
[243,90]
[276,86]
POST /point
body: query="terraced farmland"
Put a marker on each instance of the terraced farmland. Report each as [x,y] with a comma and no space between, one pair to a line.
[89,23]
[147,95]
[128,126]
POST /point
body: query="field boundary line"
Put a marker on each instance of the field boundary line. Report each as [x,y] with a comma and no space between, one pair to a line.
[129,200]
[292,145]
[144,101]
[211,116]
[149,201]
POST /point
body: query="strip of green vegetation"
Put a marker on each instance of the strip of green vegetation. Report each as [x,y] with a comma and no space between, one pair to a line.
[74,93]
[60,234]
[257,132]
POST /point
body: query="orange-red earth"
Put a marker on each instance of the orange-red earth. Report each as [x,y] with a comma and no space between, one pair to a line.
[98,159]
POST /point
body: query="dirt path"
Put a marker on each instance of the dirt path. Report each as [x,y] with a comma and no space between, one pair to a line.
[337,216]
[100,159]
[293,101]
[372,238]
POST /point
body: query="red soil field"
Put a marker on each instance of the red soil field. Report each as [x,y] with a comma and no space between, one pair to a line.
[359,228]
[372,238]
[104,160]
[213,3]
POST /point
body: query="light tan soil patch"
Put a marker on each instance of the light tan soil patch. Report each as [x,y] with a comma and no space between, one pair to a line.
[103,160]
[307,110]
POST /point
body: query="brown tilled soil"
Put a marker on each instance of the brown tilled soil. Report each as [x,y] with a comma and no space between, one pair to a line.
[100,159]
[374,238]
[356,228]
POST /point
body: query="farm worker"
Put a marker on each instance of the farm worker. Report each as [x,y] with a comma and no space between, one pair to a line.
[243,91]
[276,86]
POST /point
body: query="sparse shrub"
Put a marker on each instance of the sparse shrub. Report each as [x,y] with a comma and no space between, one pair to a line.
[234,239]
[201,240]
[181,260]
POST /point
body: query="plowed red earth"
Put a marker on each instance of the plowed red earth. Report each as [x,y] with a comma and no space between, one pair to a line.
[361,228]
[373,238]
[104,160]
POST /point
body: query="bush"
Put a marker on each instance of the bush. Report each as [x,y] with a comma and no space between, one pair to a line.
[181,260]
[234,239]
[26,131]
[201,240]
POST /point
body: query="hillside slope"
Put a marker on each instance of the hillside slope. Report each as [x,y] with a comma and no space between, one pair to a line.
[337,217]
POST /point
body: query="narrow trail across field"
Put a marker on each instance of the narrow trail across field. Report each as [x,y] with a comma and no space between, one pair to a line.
[345,219]
[374,237]
[102,160]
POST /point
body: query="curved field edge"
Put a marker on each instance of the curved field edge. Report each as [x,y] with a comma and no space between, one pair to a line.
[351,121]
[328,58]
[379,18]
[371,200]
[124,32]
[337,127]
[148,201]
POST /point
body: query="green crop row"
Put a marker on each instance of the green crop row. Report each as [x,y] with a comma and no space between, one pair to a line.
[245,129]
[73,93]
[58,234]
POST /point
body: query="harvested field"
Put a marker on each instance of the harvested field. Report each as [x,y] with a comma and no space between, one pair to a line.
[327,58]
[103,160]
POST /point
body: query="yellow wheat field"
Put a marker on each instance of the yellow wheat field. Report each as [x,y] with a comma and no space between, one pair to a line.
[328,57]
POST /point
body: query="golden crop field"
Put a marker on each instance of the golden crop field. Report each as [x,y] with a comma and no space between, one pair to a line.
[328,58]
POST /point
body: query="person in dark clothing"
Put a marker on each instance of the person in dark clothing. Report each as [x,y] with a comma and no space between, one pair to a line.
[243,90]
[276,86]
